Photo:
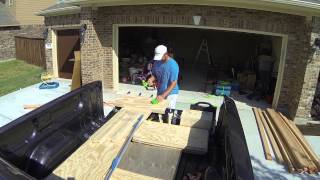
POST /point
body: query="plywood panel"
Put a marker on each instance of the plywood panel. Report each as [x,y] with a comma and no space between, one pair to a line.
[121,174]
[120,125]
[93,159]
[196,119]
[150,161]
[165,135]
[141,103]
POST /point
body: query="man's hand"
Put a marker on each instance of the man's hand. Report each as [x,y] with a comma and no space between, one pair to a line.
[160,98]
[151,81]
[169,89]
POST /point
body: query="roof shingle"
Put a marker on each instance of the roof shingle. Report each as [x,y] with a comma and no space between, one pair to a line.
[6,18]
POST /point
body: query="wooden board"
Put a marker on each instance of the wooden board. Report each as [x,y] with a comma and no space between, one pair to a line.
[150,161]
[273,143]
[141,103]
[302,140]
[93,159]
[121,174]
[264,141]
[296,153]
[196,119]
[282,147]
[311,166]
[120,125]
[179,137]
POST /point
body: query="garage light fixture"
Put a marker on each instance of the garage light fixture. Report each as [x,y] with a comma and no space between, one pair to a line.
[316,46]
[316,43]
[45,33]
[196,20]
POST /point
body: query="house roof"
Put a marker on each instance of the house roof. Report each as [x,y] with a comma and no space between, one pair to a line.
[6,19]
[59,9]
[297,7]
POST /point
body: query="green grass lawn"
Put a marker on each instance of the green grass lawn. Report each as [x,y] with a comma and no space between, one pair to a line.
[17,74]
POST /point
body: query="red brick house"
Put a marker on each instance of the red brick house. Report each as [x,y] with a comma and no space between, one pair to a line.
[290,27]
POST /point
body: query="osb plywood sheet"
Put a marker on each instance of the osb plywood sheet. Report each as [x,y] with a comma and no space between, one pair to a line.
[171,136]
[140,102]
[93,159]
[196,119]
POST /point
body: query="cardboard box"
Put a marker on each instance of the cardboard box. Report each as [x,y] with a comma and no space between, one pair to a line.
[246,80]
[251,81]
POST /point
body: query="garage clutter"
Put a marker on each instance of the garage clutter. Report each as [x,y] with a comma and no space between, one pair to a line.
[216,62]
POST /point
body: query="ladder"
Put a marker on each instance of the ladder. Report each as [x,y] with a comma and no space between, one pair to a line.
[203,48]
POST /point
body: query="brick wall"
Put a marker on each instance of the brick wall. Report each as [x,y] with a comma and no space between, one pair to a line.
[92,53]
[316,60]
[7,34]
[97,47]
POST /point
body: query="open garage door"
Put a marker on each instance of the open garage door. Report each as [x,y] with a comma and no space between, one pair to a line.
[210,60]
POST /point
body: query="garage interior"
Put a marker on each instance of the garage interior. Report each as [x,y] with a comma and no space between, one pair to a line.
[68,41]
[208,59]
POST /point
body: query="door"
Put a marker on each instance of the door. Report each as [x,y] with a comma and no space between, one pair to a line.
[68,41]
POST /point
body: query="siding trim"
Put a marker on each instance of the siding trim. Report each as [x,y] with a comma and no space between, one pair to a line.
[296,7]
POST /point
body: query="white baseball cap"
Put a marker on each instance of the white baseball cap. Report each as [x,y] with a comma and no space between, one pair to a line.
[159,52]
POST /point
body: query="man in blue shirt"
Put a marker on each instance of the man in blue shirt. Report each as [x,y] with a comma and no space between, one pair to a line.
[166,71]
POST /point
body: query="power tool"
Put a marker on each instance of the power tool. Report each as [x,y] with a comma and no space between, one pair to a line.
[146,85]
[155,101]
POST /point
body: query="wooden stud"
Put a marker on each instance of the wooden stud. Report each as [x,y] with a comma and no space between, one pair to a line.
[263,137]
[76,75]
[311,166]
[273,142]
[31,106]
[282,148]
[295,152]
[302,140]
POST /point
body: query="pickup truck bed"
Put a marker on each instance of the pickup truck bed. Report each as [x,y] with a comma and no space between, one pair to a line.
[35,144]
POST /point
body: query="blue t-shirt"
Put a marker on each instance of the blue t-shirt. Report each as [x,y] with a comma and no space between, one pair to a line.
[166,73]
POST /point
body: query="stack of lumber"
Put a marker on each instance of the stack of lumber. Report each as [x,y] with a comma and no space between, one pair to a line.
[289,145]
[188,139]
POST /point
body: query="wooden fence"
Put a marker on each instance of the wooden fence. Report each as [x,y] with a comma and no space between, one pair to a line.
[31,50]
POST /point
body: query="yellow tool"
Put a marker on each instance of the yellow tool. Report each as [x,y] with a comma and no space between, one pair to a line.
[46,76]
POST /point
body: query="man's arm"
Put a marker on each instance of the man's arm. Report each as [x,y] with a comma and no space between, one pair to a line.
[167,91]
[172,81]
